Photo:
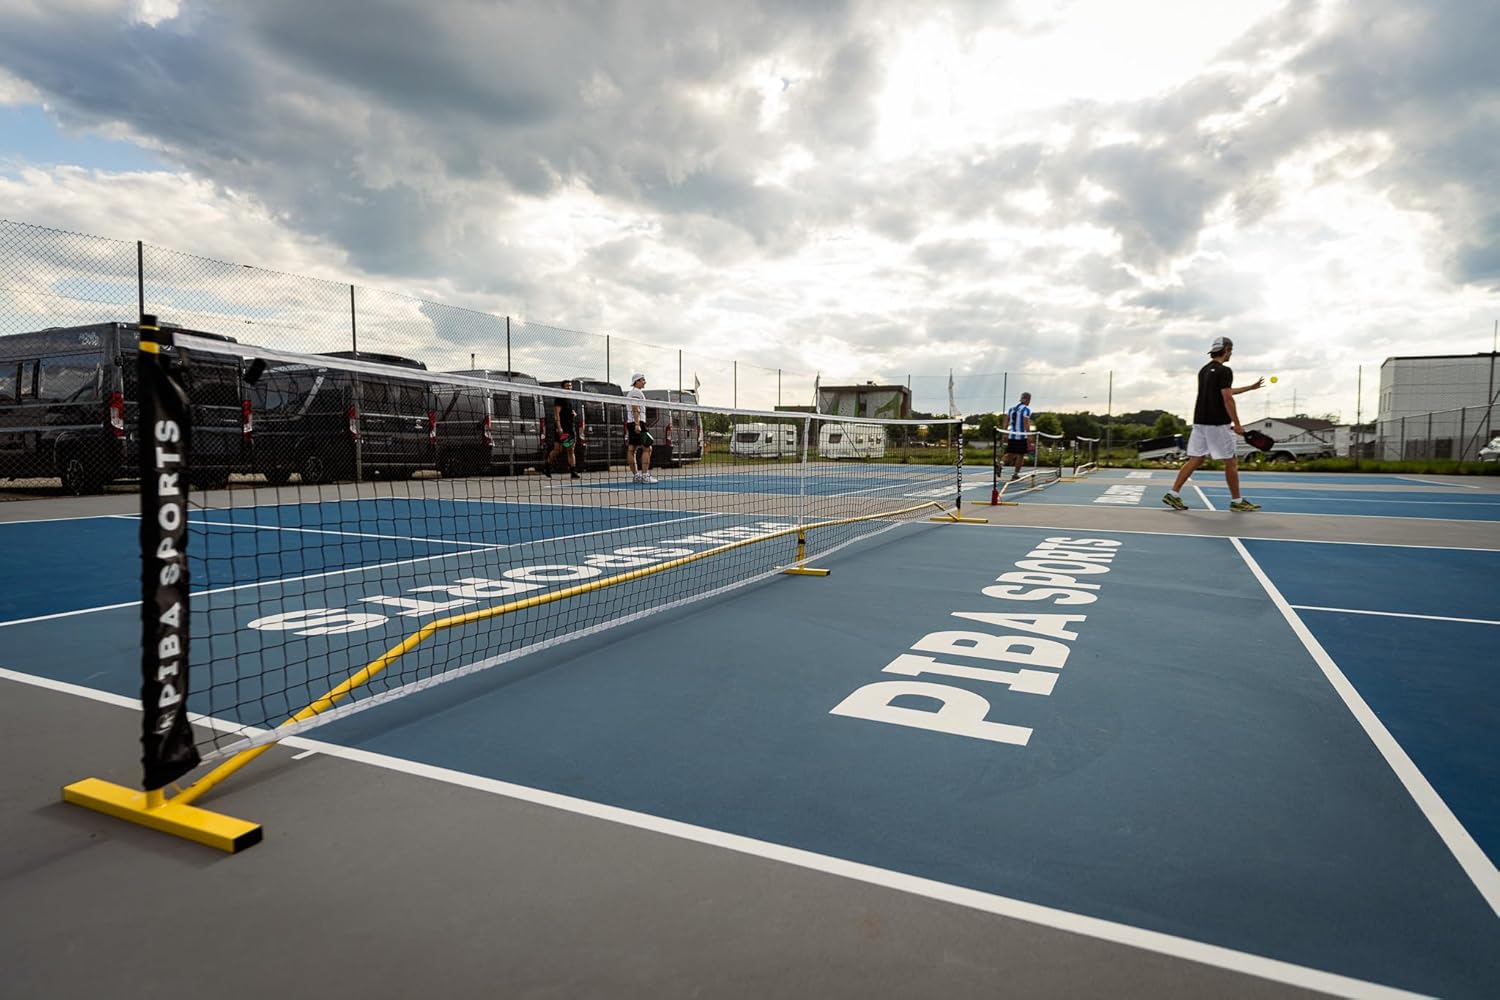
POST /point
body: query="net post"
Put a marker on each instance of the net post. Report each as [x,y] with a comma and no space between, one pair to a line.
[164,441]
[957,517]
[799,568]
[995,468]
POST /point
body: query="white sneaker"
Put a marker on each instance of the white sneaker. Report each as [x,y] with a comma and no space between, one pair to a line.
[637,477]
[649,480]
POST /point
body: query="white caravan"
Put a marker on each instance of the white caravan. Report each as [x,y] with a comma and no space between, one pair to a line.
[851,441]
[763,440]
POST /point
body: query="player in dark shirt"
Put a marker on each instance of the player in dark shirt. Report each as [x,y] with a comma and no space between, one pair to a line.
[1216,422]
[564,433]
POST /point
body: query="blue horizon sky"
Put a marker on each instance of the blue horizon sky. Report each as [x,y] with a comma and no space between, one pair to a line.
[33,137]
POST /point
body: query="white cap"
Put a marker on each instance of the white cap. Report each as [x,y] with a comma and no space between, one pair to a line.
[1220,345]
[636,378]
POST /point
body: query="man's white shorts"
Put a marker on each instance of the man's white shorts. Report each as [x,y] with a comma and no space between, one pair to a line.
[1213,440]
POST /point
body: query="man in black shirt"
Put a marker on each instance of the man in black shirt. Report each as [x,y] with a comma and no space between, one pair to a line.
[564,433]
[1216,422]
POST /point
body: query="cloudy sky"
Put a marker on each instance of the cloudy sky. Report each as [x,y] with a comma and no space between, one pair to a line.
[1060,188]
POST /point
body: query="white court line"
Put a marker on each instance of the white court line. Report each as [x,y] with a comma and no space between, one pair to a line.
[1306,513]
[347,534]
[1204,497]
[1428,482]
[250,586]
[1458,841]
[1294,495]
[78,517]
[1395,614]
[1043,916]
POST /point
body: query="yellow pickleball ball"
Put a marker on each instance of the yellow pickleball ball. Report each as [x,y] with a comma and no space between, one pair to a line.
[1273,378]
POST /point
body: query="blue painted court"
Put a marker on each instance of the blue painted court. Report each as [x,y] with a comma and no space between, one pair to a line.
[1284,748]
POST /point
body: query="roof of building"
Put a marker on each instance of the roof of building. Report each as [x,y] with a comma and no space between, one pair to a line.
[1308,423]
[1442,357]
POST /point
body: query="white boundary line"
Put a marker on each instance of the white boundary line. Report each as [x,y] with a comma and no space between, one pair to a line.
[76,517]
[1458,841]
[416,540]
[1395,614]
[1428,482]
[1204,497]
[1298,513]
[1044,916]
[1301,495]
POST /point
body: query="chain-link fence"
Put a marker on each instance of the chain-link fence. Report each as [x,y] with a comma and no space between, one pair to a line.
[55,282]
[1465,433]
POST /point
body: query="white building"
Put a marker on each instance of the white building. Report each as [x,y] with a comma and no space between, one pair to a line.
[1438,406]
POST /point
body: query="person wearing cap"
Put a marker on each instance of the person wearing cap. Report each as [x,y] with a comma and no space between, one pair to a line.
[1216,422]
[564,433]
[637,438]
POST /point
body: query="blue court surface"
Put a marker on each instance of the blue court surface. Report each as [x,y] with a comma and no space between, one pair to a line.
[1285,749]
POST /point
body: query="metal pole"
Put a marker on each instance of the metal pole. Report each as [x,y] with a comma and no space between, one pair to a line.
[359,439]
[1401,447]
[1489,410]
[606,359]
[736,396]
[679,372]
[1109,410]
[1430,449]
[508,367]
[1359,412]
[778,388]
[1463,440]
[140,285]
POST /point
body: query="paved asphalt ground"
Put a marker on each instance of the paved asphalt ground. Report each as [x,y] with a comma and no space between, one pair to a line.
[1265,763]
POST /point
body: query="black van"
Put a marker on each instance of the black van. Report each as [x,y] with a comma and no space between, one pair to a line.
[317,419]
[678,433]
[499,428]
[603,423]
[68,407]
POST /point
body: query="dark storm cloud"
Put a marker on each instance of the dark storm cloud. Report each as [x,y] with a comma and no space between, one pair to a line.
[403,132]
[410,117]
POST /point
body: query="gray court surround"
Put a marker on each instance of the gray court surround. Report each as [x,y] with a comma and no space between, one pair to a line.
[378,879]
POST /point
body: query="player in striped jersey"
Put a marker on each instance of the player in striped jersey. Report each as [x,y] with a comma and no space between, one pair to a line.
[1018,428]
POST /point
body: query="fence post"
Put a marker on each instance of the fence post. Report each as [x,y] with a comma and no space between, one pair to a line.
[507,347]
[359,412]
[140,284]
[1401,446]
[1463,441]
[606,359]
[736,396]
[1431,448]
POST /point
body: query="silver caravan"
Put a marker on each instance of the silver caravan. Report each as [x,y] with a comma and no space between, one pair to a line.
[763,440]
[847,440]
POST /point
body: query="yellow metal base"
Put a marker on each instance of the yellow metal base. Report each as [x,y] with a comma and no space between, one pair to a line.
[960,520]
[805,571]
[180,820]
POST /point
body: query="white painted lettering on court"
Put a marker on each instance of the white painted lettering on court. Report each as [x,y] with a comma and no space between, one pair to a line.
[468,590]
[1039,643]
[1122,494]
